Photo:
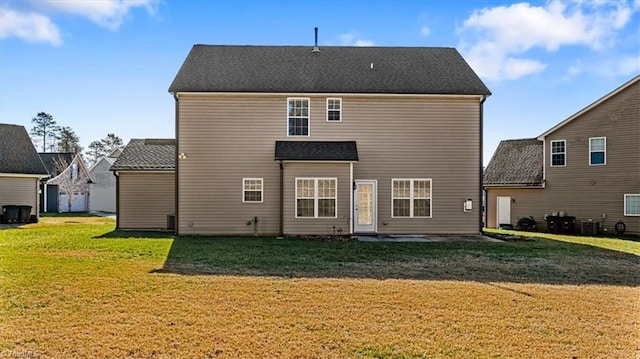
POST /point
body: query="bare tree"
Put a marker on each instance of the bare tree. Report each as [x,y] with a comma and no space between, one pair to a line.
[71,178]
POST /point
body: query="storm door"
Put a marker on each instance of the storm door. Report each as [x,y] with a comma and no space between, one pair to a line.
[364,207]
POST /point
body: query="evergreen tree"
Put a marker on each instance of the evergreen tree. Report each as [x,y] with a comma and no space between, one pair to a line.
[45,130]
[69,141]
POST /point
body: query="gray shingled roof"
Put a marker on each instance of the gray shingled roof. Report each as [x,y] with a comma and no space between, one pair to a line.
[516,162]
[316,151]
[398,70]
[147,154]
[17,154]
[50,160]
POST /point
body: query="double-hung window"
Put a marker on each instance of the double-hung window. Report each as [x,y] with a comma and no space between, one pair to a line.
[334,109]
[411,198]
[558,153]
[632,204]
[598,151]
[298,117]
[252,190]
[316,197]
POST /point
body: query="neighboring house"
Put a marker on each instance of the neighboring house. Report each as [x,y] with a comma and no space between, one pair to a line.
[301,140]
[55,162]
[20,169]
[103,187]
[67,189]
[587,167]
[145,184]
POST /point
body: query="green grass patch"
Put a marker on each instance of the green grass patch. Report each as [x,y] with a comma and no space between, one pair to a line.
[75,287]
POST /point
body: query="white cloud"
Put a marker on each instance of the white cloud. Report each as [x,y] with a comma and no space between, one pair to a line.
[106,13]
[30,27]
[425,30]
[33,21]
[496,40]
[350,39]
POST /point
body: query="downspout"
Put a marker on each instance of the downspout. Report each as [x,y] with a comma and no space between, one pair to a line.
[281,199]
[115,173]
[484,98]
[176,172]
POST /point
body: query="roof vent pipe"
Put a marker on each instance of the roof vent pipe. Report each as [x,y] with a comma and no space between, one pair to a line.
[315,46]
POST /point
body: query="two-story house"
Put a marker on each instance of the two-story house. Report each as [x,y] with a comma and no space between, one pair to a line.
[586,168]
[296,140]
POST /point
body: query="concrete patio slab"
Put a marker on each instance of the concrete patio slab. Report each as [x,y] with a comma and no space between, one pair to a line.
[425,238]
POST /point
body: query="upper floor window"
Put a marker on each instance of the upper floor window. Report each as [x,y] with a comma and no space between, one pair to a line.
[411,197]
[598,151]
[558,153]
[316,197]
[252,190]
[334,109]
[298,117]
[632,204]
[74,171]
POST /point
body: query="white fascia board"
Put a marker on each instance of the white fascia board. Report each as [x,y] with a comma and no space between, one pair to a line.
[23,175]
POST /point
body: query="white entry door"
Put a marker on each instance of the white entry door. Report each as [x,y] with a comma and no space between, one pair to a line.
[364,207]
[503,208]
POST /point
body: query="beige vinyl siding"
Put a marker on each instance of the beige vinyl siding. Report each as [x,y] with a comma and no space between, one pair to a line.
[229,137]
[21,191]
[145,199]
[578,189]
[525,202]
[586,191]
[317,226]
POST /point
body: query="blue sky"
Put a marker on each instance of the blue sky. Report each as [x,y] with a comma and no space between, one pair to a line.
[101,66]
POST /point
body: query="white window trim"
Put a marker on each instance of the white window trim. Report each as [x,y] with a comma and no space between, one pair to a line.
[245,190]
[626,214]
[551,153]
[308,99]
[411,198]
[340,110]
[315,196]
[591,151]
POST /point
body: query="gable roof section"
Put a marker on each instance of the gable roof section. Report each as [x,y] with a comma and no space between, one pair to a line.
[516,163]
[17,154]
[52,159]
[334,69]
[66,172]
[147,154]
[316,151]
[590,107]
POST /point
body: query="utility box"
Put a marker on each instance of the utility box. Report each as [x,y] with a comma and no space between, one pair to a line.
[590,228]
[171,221]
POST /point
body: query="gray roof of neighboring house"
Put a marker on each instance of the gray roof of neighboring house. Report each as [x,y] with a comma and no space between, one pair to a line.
[334,69]
[17,154]
[316,151]
[517,163]
[147,154]
[53,160]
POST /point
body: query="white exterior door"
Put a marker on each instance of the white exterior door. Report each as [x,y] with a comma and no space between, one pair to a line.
[503,208]
[364,207]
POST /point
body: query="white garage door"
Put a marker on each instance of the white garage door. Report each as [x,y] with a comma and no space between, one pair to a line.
[78,203]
